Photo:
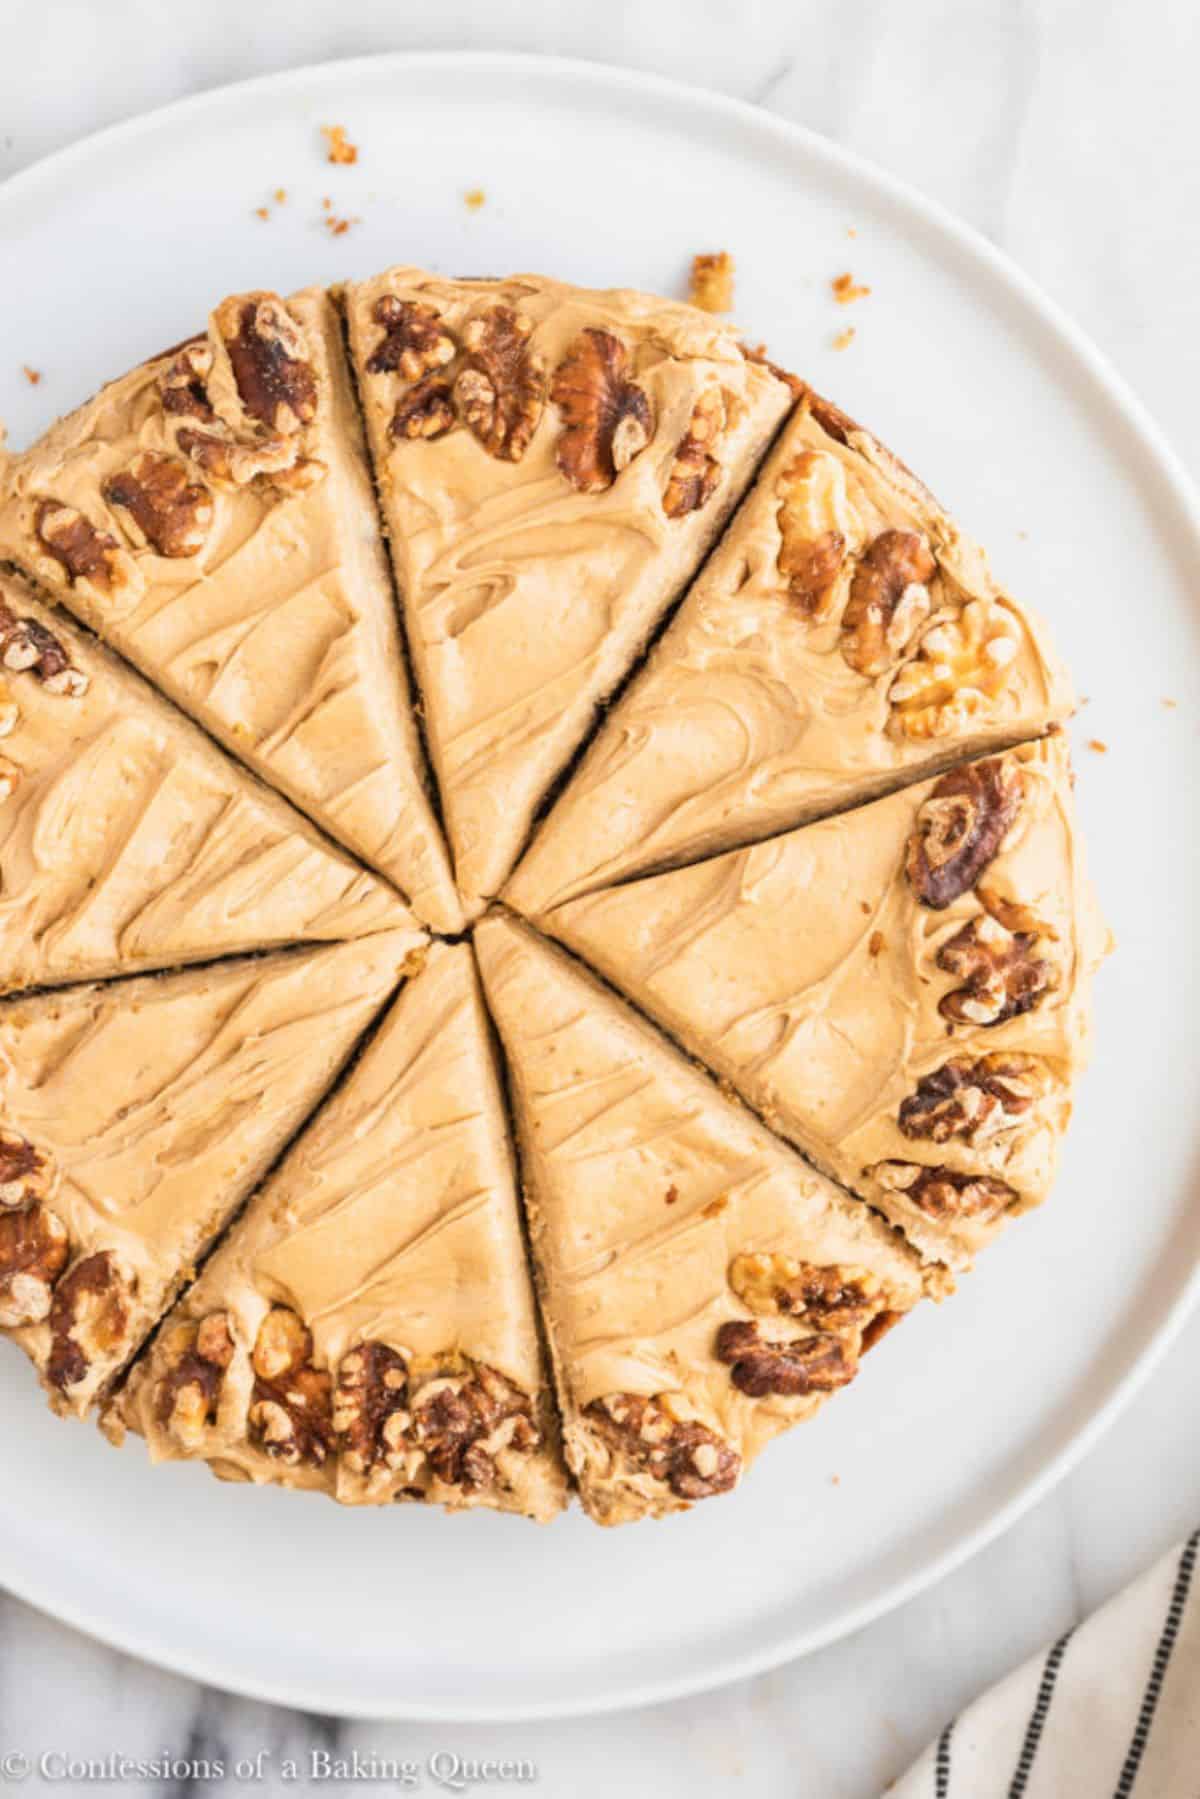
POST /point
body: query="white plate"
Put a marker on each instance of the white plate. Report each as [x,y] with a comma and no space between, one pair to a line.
[972,1411]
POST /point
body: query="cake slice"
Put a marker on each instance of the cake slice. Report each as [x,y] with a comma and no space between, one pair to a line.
[128,841]
[844,639]
[368,1328]
[902,990]
[136,1118]
[552,465]
[703,1289]
[211,515]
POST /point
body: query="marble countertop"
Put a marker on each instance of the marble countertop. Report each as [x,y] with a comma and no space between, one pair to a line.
[1006,114]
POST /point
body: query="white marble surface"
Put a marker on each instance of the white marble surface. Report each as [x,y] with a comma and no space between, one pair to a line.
[1064,130]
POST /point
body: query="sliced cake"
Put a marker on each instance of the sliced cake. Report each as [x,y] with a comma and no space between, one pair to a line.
[128,841]
[703,1289]
[368,1327]
[134,1120]
[845,638]
[903,990]
[552,464]
[211,516]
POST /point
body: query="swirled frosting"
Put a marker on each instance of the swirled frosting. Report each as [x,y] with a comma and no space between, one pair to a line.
[127,841]
[279,634]
[748,719]
[159,1102]
[392,1222]
[527,599]
[643,1185]
[806,971]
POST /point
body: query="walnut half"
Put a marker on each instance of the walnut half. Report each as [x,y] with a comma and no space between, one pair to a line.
[1002,975]
[464,1422]
[291,1410]
[500,389]
[960,828]
[829,1296]
[818,1362]
[946,1194]
[889,601]
[607,419]
[189,1393]
[972,1100]
[371,1408]
[696,473]
[89,1318]
[89,557]
[160,505]
[692,1461]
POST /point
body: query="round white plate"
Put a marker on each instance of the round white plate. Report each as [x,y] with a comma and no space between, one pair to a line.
[970,1413]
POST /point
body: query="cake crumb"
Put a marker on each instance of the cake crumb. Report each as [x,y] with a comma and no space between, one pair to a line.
[33,376]
[337,227]
[844,339]
[341,150]
[672,1194]
[835,1480]
[711,286]
[846,288]
[280,195]
[474,198]
[1169,703]
[865,908]
[876,943]
[1098,744]
[262,212]
[715,1207]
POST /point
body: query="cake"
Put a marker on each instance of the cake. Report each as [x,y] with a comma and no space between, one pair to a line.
[541,906]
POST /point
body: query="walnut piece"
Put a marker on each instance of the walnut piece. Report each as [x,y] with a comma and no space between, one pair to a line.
[607,419]
[189,1393]
[232,464]
[819,1362]
[961,665]
[183,384]
[500,389]
[1001,975]
[830,1296]
[960,827]
[972,1099]
[425,411]
[415,342]
[27,645]
[463,1422]
[711,286]
[25,1172]
[946,1194]
[89,1318]
[688,1458]
[160,505]
[889,601]
[696,472]
[814,522]
[268,356]
[291,1407]
[371,1408]
[33,1253]
[90,557]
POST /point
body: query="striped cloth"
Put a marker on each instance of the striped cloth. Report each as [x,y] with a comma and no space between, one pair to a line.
[1110,1711]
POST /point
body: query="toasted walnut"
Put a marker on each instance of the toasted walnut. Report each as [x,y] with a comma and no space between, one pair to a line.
[501,388]
[817,528]
[425,411]
[972,1099]
[89,1318]
[268,356]
[1001,974]
[184,383]
[961,665]
[25,1172]
[689,1459]
[33,1253]
[889,601]
[27,645]
[291,1407]
[232,464]
[758,1365]
[86,554]
[463,1422]
[712,282]
[160,506]
[415,342]
[370,1408]
[832,1296]
[189,1393]
[606,417]
[946,1194]
[695,472]
[960,827]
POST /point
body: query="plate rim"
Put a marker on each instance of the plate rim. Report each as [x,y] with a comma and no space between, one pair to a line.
[1169,472]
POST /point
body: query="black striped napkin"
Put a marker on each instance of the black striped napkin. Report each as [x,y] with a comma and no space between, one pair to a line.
[1112,1708]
